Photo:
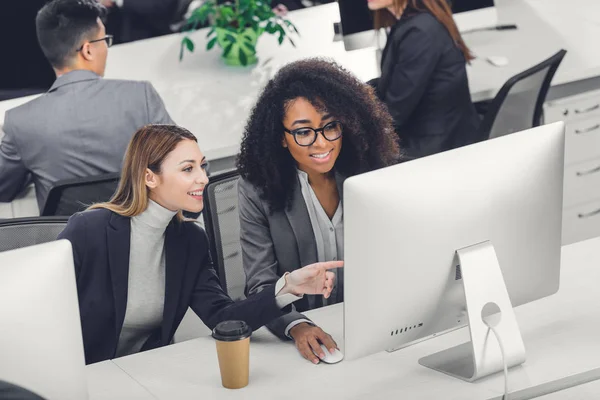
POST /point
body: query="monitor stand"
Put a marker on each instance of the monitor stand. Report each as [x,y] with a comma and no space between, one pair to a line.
[483,284]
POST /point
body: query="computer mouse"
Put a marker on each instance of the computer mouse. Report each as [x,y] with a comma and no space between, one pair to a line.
[497,61]
[329,358]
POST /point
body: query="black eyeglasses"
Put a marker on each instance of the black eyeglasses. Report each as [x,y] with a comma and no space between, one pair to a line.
[108,39]
[307,136]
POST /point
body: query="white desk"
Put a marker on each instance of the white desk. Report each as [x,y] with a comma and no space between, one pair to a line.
[214,100]
[560,334]
[106,381]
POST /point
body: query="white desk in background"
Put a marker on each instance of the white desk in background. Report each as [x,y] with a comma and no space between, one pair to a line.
[560,334]
[214,100]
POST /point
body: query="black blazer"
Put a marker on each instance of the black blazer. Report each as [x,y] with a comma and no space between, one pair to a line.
[424,84]
[101,240]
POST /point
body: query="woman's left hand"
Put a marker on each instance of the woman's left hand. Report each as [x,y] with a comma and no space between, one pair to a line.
[312,279]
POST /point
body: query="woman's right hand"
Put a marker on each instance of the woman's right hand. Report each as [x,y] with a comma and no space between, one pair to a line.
[307,338]
[313,279]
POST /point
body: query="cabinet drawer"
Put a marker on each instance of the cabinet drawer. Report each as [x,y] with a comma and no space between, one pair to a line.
[581,222]
[573,108]
[582,182]
[583,140]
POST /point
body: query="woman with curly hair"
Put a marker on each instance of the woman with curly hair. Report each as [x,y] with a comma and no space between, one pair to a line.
[313,125]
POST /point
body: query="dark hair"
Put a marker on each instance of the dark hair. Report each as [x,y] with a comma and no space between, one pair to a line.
[370,141]
[63,24]
[440,9]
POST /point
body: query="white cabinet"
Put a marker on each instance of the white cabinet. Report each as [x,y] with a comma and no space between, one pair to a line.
[581,222]
[582,182]
[581,201]
[583,140]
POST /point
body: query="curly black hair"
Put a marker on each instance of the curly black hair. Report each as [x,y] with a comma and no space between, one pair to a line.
[370,141]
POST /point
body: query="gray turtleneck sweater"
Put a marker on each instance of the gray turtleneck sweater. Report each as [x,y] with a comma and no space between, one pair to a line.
[146,284]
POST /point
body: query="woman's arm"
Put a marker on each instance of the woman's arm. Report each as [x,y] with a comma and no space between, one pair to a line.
[258,255]
[211,303]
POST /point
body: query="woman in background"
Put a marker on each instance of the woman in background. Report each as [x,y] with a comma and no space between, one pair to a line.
[424,77]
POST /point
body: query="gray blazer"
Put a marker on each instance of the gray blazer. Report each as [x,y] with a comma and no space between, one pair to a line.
[273,244]
[80,127]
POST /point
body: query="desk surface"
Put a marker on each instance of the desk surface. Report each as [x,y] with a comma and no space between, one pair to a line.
[106,381]
[560,335]
[214,100]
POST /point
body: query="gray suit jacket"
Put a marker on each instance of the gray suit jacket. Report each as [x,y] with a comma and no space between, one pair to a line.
[273,244]
[79,128]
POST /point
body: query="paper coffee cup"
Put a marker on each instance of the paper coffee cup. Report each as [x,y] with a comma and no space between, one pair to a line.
[233,351]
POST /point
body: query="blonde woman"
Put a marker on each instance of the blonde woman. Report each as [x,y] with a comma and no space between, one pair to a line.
[139,264]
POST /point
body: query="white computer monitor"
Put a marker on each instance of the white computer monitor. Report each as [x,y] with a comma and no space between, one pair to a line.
[41,346]
[423,241]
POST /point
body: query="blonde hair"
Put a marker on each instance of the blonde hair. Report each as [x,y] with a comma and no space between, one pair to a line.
[147,149]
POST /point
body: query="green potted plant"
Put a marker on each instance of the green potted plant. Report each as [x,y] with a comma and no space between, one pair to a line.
[236,26]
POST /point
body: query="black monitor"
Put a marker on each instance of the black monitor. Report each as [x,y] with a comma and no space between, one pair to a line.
[357,24]
[459,6]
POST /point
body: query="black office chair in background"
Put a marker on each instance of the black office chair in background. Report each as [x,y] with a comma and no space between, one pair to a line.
[519,103]
[22,232]
[222,224]
[73,195]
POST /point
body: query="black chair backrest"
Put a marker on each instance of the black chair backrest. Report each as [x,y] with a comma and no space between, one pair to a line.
[223,228]
[70,196]
[23,232]
[519,103]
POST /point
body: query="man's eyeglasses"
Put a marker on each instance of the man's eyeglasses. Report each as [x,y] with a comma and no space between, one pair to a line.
[108,39]
[307,136]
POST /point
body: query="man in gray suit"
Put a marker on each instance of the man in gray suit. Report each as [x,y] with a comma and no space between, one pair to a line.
[82,125]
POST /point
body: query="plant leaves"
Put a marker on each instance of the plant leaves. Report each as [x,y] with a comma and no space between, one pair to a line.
[250,47]
[188,43]
[181,48]
[243,57]
[227,50]
[212,30]
[211,43]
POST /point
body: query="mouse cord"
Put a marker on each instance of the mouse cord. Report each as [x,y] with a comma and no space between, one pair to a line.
[505,396]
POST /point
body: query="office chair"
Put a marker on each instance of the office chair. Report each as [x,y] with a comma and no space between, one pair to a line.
[223,228]
[519,103]
[67,197]
[22,232]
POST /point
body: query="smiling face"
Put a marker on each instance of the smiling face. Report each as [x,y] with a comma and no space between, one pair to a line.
[180,183]
[319,157]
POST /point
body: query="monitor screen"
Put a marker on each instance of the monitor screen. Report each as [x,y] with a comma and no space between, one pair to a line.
[355,16]
[459,6]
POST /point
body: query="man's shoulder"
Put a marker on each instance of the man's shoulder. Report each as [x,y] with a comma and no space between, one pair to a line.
[124,83]
[23,110]
[123,87]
